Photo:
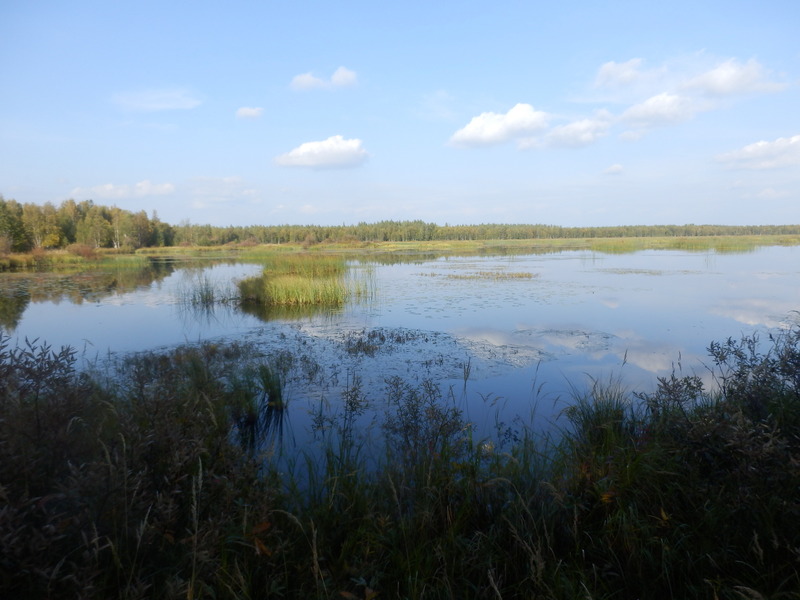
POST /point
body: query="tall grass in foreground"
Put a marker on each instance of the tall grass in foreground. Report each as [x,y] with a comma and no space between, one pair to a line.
[167,479]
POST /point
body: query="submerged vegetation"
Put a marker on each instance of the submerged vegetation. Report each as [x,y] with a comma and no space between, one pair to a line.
[201,295]
[494,275]
[167,477]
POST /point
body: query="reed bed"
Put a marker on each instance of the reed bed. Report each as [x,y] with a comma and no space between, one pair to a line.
[167,478]
[287,290]
[75,257]
[305,265]
[202,292]
[295,253]
[305,280]
[288,257]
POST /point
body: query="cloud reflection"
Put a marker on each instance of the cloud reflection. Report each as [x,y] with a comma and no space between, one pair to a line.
[757,312]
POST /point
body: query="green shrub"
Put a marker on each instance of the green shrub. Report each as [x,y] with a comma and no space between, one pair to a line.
[167,476]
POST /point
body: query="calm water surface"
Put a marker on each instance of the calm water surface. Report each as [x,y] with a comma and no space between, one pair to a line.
[523,339]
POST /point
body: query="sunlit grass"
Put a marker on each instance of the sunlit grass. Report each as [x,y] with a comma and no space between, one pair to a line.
[306,280]
[302,290]
[305,265]
[615,245]
[289,258]
[71,259]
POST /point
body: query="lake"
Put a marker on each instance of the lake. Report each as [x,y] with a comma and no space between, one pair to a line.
[503,335]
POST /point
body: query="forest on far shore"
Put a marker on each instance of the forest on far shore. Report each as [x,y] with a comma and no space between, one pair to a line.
[27,227]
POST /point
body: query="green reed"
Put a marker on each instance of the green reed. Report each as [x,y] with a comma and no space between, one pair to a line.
[306,280]
[305,265]
[303,290]
[166,477]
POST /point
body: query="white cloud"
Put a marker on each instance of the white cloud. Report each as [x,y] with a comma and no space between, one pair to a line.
[145,188]
[306,81]
[733,77]
[783,152]
[614,73]
[110,191]
[342,77]
[661,109]
[247,112]
[335,152]
[695,74]
[156,100]
[582,132]
[622,81]
[495,128]
[613,170]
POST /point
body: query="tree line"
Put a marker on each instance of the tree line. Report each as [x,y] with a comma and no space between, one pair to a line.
[26,227]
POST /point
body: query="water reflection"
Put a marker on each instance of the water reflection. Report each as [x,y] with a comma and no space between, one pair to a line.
[11,309]
[265,312]
[573,314]
[17,290]
[759,312]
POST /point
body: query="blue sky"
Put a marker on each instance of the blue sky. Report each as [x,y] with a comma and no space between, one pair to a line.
[588,113]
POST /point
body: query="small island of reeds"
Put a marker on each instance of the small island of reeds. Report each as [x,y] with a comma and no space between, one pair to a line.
[302,280]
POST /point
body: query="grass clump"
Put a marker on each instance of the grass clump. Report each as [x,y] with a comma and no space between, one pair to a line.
[169,478]
[201,295]
[303,280]
[287,290]
[305,265]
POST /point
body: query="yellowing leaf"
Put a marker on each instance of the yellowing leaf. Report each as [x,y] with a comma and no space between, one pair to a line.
[261,548]
[261,527]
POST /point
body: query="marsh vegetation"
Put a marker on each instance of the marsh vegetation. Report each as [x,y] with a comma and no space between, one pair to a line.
[303,280]
[203,470]
[170,478]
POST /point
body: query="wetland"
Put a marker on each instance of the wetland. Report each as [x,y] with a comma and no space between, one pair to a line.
[554,422]
[528,325]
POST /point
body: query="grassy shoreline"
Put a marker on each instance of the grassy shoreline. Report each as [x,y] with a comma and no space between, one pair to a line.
[470,247]
[167,479]
[88,258]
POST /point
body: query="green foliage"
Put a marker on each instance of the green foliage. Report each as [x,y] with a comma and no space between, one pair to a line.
[691,492]
[298,280]
[30,226]
[12,231]
[127,490]
[167,477]
[24,227]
